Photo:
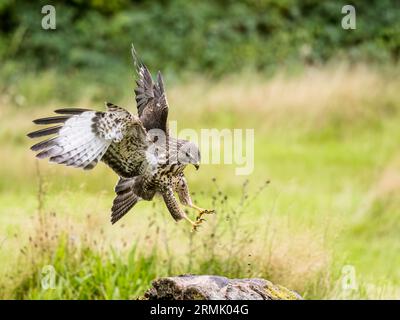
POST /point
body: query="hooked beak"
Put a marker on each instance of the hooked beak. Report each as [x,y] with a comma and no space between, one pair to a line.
[197,166]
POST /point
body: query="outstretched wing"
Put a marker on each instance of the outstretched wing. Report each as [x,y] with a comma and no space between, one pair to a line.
[151,99]
[83,137]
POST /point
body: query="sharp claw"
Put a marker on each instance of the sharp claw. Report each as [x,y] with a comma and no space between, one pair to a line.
[194,228]
[197,224]
[199,219]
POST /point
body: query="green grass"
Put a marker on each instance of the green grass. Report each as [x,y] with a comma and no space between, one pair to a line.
[326,139]
[86,274]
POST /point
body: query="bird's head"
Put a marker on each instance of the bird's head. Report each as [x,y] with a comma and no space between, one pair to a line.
[189,153]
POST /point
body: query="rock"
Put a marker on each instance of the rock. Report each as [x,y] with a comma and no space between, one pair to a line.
[209,287]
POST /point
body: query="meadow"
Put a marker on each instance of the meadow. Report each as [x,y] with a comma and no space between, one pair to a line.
[324,193]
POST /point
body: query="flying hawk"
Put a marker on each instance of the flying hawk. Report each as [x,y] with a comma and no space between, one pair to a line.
[138,148]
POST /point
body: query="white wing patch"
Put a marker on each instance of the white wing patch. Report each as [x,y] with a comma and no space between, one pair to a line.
[85,136]
[77,144]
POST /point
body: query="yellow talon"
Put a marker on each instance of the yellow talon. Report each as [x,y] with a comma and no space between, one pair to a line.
[204,211]
[195,224]
[199,219]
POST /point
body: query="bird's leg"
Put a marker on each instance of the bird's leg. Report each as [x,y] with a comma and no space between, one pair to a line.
[176,212]
[184,196]
[201,211]
[195,224]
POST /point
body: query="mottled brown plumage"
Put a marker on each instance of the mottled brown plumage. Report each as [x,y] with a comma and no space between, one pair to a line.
[138,148]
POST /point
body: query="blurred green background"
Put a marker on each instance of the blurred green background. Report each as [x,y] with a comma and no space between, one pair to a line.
[215,37]
[324,103]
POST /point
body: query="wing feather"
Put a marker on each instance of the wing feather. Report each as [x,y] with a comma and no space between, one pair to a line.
[85,137]
[151,99]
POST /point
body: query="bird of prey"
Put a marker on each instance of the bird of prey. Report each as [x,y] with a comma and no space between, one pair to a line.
[138,148]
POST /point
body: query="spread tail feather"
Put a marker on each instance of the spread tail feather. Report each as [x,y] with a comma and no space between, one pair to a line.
[125,199]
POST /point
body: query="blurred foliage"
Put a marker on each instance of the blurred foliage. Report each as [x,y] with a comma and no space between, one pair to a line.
[217,37]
